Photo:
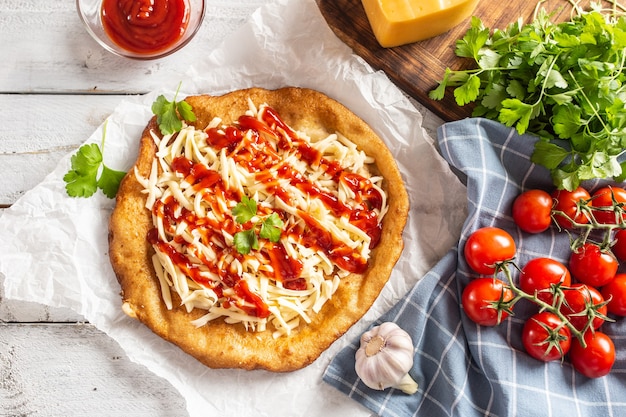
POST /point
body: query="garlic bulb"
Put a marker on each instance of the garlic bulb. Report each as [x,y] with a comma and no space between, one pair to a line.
[385,357]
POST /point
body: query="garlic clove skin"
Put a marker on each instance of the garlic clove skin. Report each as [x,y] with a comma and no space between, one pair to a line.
[385,357]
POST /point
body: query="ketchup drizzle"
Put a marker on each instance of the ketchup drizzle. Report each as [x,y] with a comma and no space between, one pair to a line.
[254,144]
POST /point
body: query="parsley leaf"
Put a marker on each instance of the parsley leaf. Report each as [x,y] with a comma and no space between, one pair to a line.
[88,173]
[245,210]
[516,112]
[169,113]
[566,121]
[269,227]
[475,38]
[246,241]
[82,179]
[549,155]
[468,91]
[440,92]
[109,181]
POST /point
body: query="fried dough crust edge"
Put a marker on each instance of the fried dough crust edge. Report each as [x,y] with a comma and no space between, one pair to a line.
[222,345]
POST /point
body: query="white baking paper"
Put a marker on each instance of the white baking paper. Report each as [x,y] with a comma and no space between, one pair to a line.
[53,248]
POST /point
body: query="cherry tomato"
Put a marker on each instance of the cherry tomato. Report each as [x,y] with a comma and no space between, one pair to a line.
[539,276]
[603,198]
[484,301]
[487,247]
[619,245]
[615,291]
[568,202]
[545,337]
[532,211]
[593,266]
[582,303]
[595,359]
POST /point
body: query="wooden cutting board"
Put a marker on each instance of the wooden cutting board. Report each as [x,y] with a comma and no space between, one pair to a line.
[417,68]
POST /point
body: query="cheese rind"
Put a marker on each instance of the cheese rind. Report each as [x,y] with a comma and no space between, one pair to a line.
[400,22]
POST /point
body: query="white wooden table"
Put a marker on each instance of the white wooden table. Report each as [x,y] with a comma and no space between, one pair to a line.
[56,87]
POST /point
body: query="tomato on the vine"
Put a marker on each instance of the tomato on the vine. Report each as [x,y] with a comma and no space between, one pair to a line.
[540,275]
[485,301]
[546,337]
[615,291]
[603,197]
[569,203]
[532,211]
[619,245]
[592,265]
[582,303]
[596,359]
[487,247]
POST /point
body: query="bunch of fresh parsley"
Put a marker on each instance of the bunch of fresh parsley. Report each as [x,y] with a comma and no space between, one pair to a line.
[564,82]
[268,227]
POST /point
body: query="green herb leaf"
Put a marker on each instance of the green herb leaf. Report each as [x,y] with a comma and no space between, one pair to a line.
[185,111]
[167,118]
[549,155]
[88,173]
[555,79]
[271,228]
[488,59]
[566,121]
[82,178]
[109,181]
[245,241]
[245,210]
[493,96]
[475,38]
[516,113]
[440,92]
[169,113]
[469,91]
[622,176]
[516,89]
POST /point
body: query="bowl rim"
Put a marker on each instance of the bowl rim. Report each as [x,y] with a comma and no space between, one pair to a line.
[121,52]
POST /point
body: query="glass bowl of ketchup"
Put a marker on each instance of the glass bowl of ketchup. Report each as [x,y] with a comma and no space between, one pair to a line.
[142,29]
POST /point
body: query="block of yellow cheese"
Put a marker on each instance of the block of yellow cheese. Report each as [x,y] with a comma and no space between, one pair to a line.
[399,22]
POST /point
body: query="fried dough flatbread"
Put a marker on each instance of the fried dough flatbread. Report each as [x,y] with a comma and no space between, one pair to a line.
[218,344]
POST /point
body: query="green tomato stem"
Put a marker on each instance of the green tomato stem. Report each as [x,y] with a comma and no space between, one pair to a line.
[543,306]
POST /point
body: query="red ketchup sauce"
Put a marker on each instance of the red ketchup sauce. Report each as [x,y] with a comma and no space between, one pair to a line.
[246,143]
[145,26]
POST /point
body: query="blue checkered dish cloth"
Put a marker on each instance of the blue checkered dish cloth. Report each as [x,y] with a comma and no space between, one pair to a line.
[466,370]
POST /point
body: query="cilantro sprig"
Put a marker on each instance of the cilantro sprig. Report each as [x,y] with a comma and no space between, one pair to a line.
[561,81]
[170,114]
[268,227]
[88,172]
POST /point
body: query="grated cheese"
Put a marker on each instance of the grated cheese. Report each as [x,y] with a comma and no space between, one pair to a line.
[195,228]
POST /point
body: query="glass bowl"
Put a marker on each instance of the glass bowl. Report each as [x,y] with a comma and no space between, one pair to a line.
[90,12]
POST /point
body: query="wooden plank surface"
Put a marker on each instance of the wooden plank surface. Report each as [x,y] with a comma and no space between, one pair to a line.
[417,68]
[68,370]
[45,49]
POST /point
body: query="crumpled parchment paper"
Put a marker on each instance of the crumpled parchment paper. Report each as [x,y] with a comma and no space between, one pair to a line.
[53,248]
